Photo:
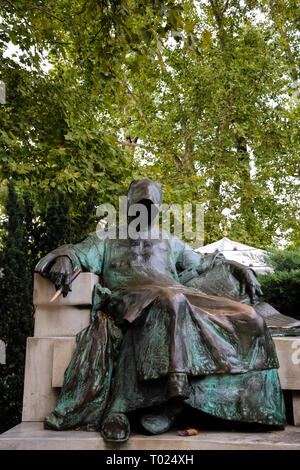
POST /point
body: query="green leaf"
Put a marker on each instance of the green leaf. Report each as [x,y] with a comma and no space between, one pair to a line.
[189,26]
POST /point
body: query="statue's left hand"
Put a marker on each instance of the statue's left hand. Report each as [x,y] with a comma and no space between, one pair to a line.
[248,280]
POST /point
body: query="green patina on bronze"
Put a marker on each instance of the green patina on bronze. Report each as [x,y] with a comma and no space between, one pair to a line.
[161,335]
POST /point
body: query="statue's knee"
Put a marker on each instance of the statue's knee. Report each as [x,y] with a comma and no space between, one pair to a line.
[173,303]
[178,298]
[251,312]
[177,303]
[255,318]
[171,298]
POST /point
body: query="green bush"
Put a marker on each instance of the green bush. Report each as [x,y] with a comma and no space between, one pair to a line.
[287,260]
[282,291]
[16,311]
[282,288]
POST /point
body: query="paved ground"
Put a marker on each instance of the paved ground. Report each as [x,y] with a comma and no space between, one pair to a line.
[32,436]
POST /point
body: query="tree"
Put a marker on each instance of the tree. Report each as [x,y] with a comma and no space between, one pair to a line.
[55,226]
[216,121]
[50,133]
[198,95]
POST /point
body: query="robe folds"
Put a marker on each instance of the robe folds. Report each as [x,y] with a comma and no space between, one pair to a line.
[146,325]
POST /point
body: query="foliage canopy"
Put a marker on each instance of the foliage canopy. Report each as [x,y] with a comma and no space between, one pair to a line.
[202,96]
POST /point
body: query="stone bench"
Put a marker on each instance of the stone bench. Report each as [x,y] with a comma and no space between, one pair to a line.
[50,350]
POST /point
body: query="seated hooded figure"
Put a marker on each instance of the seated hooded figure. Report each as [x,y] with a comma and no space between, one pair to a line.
[159,341]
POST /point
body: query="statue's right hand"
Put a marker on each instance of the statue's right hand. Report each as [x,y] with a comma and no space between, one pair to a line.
[61,274]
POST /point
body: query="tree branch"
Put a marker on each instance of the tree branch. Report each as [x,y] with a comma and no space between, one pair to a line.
[134,100]
[225,6]
[147,148]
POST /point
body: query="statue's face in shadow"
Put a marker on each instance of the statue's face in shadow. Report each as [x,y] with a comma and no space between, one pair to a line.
[144,200]
[145,212]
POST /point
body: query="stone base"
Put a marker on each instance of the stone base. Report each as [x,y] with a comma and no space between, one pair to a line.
[32,436]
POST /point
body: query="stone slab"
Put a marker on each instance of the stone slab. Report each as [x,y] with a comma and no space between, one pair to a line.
[289,372]
[288,352]
[82,290]
[62,353]
[39,396]
[32,436]
[52,320]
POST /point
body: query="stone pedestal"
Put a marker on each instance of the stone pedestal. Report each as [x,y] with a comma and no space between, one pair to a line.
[32,436]
[288,352]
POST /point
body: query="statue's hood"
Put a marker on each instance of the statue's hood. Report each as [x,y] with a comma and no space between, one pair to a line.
[140,190]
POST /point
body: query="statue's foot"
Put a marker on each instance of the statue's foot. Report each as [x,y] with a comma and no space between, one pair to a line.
[162,419]
[54,421]
[115,427]
[178,385]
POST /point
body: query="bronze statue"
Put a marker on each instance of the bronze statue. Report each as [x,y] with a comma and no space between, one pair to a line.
[158,342]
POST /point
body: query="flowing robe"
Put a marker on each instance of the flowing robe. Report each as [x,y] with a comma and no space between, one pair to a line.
[147,325]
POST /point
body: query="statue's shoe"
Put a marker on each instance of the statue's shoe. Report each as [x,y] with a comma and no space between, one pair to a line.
[115,427]
[178,385]
[54,421]
[162,419]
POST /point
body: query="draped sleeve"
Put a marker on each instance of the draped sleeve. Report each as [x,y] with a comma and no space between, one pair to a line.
[190,263]
[87,255]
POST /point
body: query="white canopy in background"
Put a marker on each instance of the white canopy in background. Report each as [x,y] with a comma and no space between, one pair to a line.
[244,254]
